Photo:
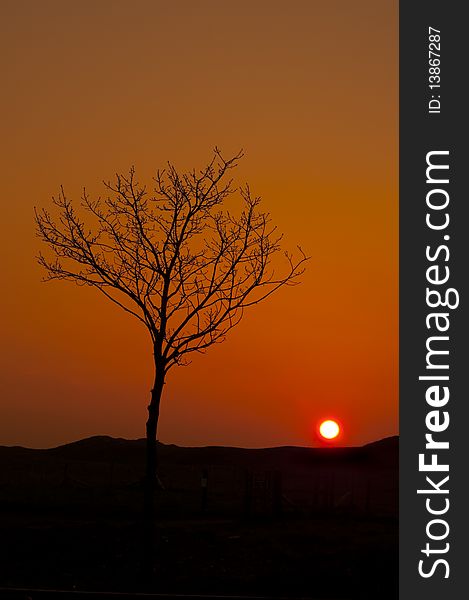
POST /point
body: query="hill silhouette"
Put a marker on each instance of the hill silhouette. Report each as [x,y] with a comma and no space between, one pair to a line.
[285,521]
[106,448]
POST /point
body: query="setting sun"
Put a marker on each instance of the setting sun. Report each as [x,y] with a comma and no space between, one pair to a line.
[329,429]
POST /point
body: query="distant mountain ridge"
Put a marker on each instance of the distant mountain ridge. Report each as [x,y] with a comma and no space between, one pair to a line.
[120,450]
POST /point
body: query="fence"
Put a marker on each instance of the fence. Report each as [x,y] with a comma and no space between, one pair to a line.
[209,490]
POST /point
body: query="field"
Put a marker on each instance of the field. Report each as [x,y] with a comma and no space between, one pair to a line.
[279,522]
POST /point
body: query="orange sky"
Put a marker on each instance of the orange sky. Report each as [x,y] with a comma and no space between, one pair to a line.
[309,90]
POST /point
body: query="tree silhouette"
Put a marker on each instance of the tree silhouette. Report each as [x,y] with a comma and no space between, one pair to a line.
[175,260]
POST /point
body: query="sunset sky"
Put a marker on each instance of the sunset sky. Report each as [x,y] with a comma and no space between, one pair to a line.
[309,90]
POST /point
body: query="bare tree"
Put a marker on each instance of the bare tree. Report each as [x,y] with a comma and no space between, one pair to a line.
[174,260]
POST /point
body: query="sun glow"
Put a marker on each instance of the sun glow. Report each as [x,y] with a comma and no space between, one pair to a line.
[329,429]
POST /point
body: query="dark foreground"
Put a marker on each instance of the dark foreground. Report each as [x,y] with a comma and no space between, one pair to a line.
[284,522]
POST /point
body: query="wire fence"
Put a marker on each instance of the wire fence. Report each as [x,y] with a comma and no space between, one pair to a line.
[208,489]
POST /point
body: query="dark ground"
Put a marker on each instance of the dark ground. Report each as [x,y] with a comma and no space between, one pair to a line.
[292,522]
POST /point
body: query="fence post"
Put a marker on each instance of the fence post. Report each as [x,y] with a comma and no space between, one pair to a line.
[204,488]
[277,493]
[248,493]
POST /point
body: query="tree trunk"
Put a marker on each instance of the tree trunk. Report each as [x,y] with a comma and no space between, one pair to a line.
[151,473]
[152,481]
